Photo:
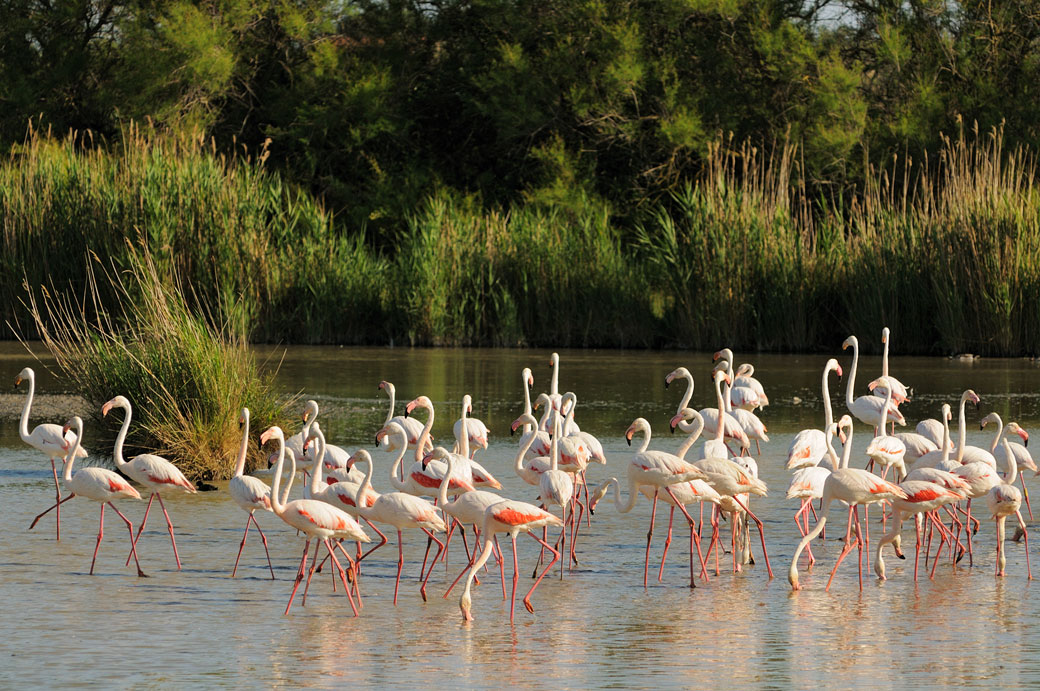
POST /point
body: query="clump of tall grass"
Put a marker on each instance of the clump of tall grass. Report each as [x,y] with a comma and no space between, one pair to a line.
[186,378]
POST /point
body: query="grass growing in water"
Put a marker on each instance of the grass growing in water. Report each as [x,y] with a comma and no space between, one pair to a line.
[186,379]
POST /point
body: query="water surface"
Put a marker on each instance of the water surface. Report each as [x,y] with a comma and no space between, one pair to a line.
[598,627]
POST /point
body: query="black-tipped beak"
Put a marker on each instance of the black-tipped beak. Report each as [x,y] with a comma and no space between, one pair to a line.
[673,428]
[666,384]
[377,441]
[511,431]
[982,426]
[629,440]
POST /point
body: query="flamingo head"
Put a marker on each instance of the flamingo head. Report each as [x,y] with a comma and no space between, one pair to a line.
[597,494]
[745,369]
[675,374]
[851,341]
[524,419]
[676,419]
[310,410]
[437,454]
[243,417]
[26,373]
[117,402]
[466,605]
[385,386]
[992,417]
[420,402]
[947,412]
[554,361]
[528,377]
[972,397]
[315,431]
[1014,427]
[275,432]
[628,434]
[884,335]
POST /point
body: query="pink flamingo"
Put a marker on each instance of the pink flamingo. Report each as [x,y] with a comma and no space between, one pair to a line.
[923,499]
[656,469]
[1005,500]
[250,493]
[96,484]
[511,517]
[412,427]
[853,486]
[315,519]
[156,473]
[866,408]
[402,511]
[47,438]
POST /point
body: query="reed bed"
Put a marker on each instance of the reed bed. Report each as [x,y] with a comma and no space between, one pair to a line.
[946,252]
[186,379]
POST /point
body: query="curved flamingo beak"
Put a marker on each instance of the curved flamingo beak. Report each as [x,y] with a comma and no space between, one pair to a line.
[838,370]
[530,381]
[628,435]
[673,422]
[17,381]
[426,459]
[104,409]
[265,436]
[1025,436]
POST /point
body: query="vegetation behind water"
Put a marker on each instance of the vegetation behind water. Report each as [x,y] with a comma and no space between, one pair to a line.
[947,255]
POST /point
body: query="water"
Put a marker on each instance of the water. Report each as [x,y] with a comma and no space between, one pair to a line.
[598,627]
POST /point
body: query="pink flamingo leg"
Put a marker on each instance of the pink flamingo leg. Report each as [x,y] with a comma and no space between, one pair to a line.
[844,550]
[299,575]
[667,542]
[100,534]
[516,576]
[169,526]
[689,519]
[1021,479]
[556,557]
[263,538]
[342,574]
[314,565]
[382,541]
[133,551]
[242,546]
[576,527]
[649,536]
[761,534]
[144,521]
[53,507]
[588,514]
[1025,536]
[57,498]
[400,564]
[917,550]
[440,548]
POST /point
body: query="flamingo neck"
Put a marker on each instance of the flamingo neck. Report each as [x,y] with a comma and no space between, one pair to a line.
[828,416]
[425,435]
[525,444]
[695,432]
[633,493]
[852,374]
[884,409]
[319,458]
[568,423]
[846,452]
[688,394]
[466,600]
[554,385]
[1000,432]
[831,455]
[392,393]
[884,360]
[962,430]
[240,462]
[727,397]
[67,474]
[464,441]
[945,455]
[359,504]
[645,429]
[1012,464]
[277,500]
[554,444]
[527,403]
[23,422]
[395,481]
[117,452]
[442,493]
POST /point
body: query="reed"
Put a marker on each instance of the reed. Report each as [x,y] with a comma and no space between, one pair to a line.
[186,379]
[946,253]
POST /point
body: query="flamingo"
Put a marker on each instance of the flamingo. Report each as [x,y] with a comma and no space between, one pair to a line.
[473,472]
[512,517]
[295,443]
[402,511]
[853,486]
[1022,456]
[315,519]
[419,480]
[1002,501]
[155,473]
[749,422]
[96,484]
[250,493]
[540,437]
[412,427]
[571,432]
[932,430]
[933,457]
[466,508]
[746,377]
[923,498]
[742,397]
[866,408]
[899,392]
[884,450]
[478,431]
[554,382]
[47,438]
[807,484]
[557,487]
[810,446]
[656,469]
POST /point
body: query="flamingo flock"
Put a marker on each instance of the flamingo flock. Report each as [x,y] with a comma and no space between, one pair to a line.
[444,492]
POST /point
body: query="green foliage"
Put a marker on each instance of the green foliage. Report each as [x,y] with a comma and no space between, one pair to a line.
[187,379]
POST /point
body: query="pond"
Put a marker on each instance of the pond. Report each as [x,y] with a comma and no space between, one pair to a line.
[597,627]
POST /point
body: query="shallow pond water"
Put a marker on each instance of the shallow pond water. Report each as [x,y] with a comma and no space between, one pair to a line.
[598,627]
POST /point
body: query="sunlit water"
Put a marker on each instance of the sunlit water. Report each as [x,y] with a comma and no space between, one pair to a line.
[598,627]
